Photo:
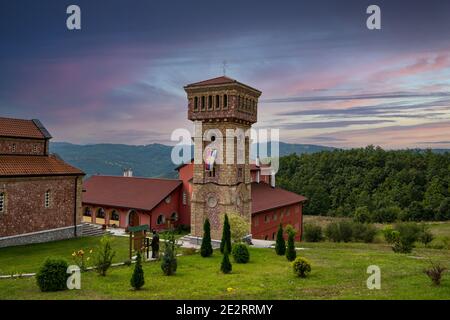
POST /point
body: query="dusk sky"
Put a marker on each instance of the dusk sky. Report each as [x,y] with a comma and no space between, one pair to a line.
[326,79]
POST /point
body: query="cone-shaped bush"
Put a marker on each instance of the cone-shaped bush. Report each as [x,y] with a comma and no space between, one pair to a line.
[226,266]
[226,235]
[206,249]
[137,279]
[290,252]
[280,245]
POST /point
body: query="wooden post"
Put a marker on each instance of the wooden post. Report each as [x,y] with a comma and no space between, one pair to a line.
[131,243]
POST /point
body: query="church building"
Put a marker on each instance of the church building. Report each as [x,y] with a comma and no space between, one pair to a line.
[203,190]
[40,194]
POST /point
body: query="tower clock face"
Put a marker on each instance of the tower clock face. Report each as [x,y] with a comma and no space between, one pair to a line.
[212,201]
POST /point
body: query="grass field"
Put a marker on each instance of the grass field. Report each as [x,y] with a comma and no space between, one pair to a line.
[338,272]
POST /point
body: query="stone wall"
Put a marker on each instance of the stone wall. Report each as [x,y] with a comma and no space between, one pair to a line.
[13,146]
[41,236]
[25,210]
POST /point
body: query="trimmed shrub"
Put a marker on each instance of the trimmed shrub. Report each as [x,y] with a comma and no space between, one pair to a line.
[280,245]
[240,253]
[226,266]
[53,275]
[137,279]
[206,249]
[226,235]
[301,267]
[169,261]
[312,233]
[291,254]
[104,256]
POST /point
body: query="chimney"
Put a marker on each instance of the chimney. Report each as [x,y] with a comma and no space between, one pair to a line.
[257,162]
[272,180]
[127,173]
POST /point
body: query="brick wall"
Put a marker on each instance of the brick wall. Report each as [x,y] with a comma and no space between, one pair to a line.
[25,210]
[265,224]
[22,146]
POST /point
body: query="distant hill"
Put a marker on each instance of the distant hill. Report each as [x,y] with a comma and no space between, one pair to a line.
[146,161]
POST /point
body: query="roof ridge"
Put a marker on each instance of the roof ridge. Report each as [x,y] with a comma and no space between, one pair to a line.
[143,178]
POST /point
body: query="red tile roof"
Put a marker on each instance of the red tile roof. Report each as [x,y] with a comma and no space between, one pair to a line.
[128,192]
[13,165]
[214,81]
[20,128]
[264,197]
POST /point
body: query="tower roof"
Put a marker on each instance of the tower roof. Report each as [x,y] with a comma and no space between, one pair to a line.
[218,81]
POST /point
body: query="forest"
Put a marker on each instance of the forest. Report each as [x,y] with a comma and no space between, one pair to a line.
[371,184]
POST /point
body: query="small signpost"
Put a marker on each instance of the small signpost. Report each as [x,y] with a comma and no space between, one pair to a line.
[138,239]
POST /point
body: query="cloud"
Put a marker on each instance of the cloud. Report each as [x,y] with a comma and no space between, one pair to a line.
[329,124]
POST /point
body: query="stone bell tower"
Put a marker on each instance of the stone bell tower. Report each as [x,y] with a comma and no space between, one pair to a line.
[222,181]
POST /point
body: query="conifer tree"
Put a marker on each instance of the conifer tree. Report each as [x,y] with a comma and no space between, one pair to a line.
[206,248]
[280,245]
[137,279]
[226,235]
[291,254]
[226,266]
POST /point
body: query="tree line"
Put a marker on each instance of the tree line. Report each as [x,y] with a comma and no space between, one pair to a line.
[371,184]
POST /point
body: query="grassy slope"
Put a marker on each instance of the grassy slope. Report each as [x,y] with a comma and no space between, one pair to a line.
[339,272]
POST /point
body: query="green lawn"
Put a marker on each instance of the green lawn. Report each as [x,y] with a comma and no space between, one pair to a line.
[339,272]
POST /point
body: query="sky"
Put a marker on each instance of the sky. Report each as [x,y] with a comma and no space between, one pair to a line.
[326,78]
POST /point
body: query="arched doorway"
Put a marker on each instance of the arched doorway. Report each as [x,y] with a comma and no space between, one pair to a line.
[100,216]
[87,215]
[114,219]
[133,219]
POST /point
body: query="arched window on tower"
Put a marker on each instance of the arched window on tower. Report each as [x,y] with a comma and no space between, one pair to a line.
[195,103]
[225,102]
[217,102]
[203,103]
[210,102]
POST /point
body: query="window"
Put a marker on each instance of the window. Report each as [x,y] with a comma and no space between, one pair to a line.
[266,218]
[266,238]
[288,212]
[87,212]
[35,148]
[275,217]
[240,172]
[273,236]
[13,148]
[47,199]
[174,216]
[2,202]
[115,216]
[217,102]
[203,103]
[210,102]
[184,198]
[161,219]
[225,101]
[195,103]
[167,199]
